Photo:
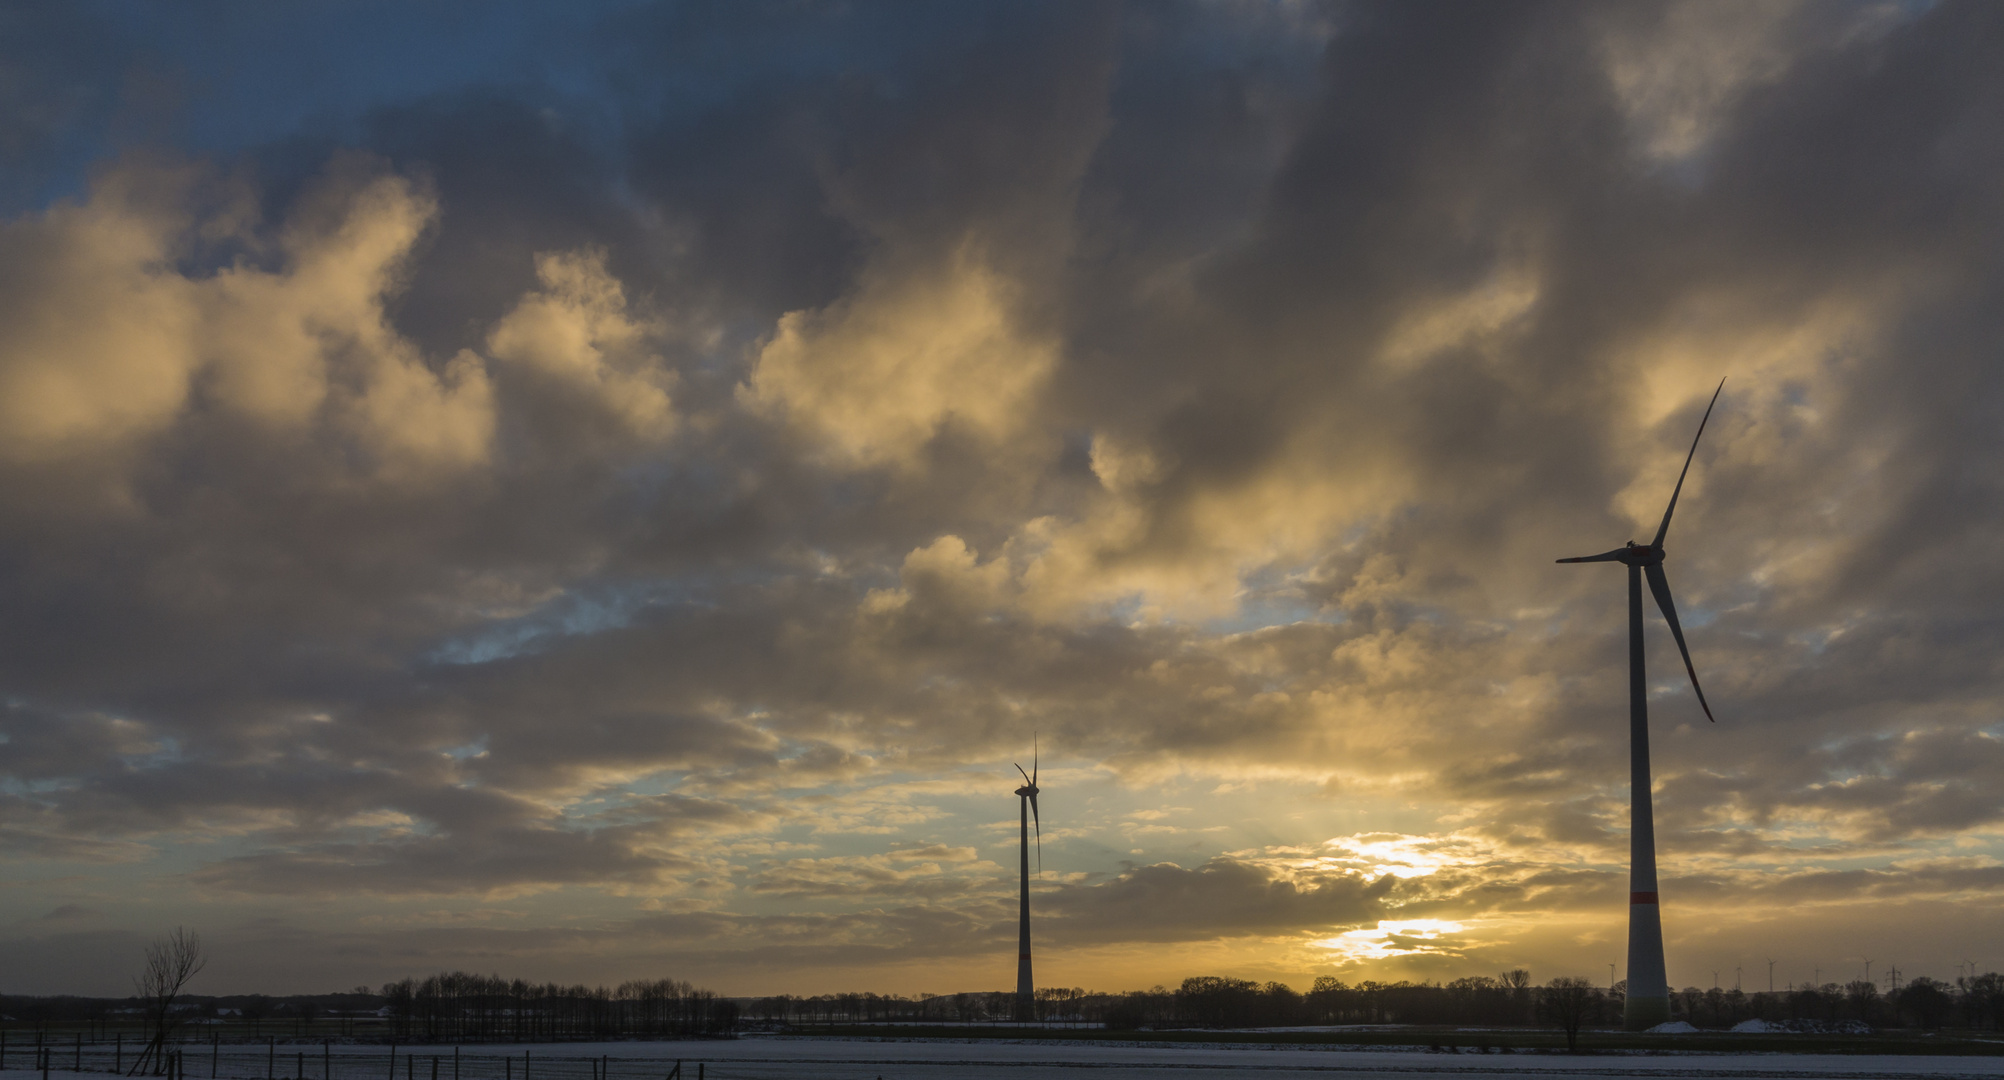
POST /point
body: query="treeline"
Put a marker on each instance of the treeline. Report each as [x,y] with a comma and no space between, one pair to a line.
[291,1014]
[459,1007]
[1508,1000]
[456,1006]
[1921,1002]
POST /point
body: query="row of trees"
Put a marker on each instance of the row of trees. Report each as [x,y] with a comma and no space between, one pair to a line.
[1212,1001]
[1506,1000]
[1203,1001]
[1923,1002]
[457,1006]
[1511,999]
[1055,1004]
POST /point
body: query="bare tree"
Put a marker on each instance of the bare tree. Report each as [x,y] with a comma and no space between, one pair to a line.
[1567,1001]
[1519,982]
[170,963]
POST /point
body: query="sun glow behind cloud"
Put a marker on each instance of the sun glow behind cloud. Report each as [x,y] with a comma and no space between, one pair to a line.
[1398,855]
[1393,938]
[675,509]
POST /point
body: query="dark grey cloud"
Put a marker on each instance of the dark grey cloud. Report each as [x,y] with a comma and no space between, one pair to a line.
[1224,897]
[482,484]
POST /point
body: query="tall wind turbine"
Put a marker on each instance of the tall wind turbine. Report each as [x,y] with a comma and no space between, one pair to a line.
[1648,1001]
[1026,990]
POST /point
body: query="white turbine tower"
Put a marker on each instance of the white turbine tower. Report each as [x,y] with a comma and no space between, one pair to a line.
[1648,1002]
[1026,989]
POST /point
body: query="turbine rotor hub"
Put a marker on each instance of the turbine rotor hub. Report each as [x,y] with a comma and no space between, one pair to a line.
[1640,555]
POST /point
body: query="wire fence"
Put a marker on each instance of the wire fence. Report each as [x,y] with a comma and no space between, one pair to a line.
[274,1061]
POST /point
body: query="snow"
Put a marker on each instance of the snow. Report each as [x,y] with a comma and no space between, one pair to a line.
[818,1058]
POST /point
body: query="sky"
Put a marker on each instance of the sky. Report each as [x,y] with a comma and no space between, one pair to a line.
[591,492]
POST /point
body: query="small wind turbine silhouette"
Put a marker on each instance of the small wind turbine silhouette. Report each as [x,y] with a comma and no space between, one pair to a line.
[1026,991]
[1648,1002]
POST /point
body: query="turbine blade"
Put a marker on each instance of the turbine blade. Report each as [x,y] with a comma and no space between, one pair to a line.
[1605,556]
[1038,823]
[1664,529]
[1026,776]
[1660,585]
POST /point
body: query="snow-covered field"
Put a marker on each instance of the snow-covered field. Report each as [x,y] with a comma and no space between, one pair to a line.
[811,1058]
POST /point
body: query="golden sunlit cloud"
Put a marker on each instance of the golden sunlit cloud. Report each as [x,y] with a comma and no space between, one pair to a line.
[1394,938]
[674,487]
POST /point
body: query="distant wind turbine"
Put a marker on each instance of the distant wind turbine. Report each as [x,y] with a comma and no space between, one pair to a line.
[1026,990]
[1648,1001]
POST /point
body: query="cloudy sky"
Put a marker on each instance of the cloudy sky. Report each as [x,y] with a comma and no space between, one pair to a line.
[588,492]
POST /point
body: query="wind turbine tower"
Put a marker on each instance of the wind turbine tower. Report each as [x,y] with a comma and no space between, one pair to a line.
[1648,1001]
[1026,989]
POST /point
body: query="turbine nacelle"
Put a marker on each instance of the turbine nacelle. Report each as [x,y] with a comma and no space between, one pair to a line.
[1629,554]
[1634,554]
